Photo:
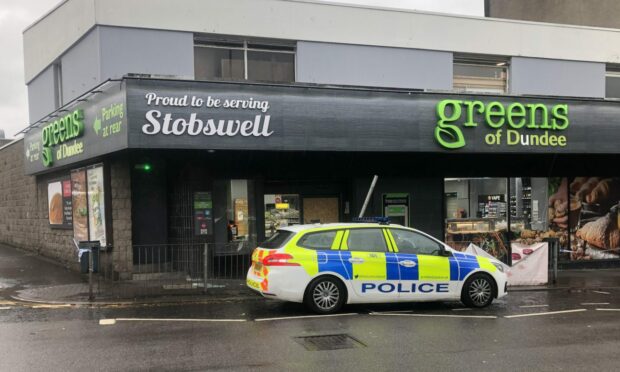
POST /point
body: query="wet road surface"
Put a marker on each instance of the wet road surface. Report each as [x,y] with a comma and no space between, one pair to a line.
[265,334]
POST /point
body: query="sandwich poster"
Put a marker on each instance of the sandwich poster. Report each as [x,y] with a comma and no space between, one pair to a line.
[96,205]
[594,220]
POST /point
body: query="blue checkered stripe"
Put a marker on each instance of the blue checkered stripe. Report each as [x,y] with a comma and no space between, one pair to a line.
[461,265]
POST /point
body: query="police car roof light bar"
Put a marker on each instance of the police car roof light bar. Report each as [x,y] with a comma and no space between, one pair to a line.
[379,220]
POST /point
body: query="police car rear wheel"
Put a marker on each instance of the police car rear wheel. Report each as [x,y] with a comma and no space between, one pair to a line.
[477,291]
[325,295]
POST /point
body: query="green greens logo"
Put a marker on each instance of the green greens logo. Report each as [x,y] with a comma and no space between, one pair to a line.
[60,131]
[515,116]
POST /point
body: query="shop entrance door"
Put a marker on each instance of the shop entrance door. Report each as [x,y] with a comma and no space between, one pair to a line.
[321,210]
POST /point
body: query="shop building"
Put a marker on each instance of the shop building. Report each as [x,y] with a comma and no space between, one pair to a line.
[152,128]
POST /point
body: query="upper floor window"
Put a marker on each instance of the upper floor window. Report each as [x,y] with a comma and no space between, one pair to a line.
[481,74]
[612,82]
[244,60]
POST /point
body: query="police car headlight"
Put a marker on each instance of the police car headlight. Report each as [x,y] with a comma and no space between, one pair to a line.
[499,266]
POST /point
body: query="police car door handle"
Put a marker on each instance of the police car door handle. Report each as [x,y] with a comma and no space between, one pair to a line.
[407,263]
[356,260]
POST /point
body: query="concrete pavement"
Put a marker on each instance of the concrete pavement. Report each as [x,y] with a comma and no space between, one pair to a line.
[25,276]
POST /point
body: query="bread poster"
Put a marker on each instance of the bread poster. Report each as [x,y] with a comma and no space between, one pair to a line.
[594,219]
[54,202]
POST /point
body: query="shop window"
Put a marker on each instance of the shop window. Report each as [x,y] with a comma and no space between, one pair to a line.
[281,210]
[476,212]
[241,227]
[612,82]
[480,74]
[244,60]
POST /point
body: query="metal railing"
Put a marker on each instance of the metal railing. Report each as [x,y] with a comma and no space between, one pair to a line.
[171,269]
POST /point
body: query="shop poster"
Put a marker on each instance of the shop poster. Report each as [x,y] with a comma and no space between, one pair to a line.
[96,205]
[594,220]
[59,203]
[80,205]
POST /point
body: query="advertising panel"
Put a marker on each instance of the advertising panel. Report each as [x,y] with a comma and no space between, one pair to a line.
[59,203]
[96,204]
[593,218]
[80,205]
[203,213]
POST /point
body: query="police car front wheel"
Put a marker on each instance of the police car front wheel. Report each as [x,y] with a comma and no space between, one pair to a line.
[478,291]
[325,295]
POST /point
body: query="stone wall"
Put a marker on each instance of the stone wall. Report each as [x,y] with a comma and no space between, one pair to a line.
[24,211]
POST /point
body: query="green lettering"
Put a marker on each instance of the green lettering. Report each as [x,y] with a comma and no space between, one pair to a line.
[495,109]
[449,136]
[471,105]
[516,110]
[512,137]
[534,108]
[560,117]
[562,141]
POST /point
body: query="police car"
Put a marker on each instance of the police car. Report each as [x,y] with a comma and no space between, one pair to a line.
[326,266]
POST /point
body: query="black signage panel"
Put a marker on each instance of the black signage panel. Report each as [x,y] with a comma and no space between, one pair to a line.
[85,130]
[198,115]
[149,113]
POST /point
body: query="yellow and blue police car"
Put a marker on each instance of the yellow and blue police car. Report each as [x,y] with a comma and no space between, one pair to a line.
[328,265]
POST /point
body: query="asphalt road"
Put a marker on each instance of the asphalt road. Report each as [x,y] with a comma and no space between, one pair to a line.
[241,335]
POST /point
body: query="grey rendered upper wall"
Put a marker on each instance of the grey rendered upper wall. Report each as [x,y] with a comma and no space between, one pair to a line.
[41,96]
[110,53]
[342,64]
[557,77]
[80,67]
[134,50]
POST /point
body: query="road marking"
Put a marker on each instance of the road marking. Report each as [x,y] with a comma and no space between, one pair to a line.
[176,320]
[530,306]
[601,292]
[7,303]
[462,309]
[107,321]
[5,308]
[603,309]
[437,315]
[594,303]
[547,313]
[51,306]
[302,317]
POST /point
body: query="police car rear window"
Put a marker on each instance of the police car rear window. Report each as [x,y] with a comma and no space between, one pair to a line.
[277,240]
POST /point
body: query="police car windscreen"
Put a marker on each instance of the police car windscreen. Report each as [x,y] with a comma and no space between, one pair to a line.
[277,240]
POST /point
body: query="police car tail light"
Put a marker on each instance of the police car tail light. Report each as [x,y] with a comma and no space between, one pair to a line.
[279,259]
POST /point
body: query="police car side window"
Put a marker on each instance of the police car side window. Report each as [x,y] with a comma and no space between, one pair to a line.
[366,240]
[415,243]
[318,240]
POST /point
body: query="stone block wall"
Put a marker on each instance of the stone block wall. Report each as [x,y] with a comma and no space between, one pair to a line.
[24,219]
